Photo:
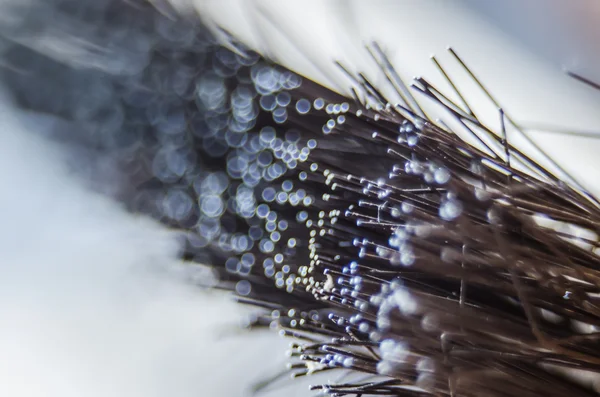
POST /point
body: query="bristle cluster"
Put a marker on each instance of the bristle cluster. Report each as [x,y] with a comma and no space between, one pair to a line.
[420,259]
[431,265]
[432,261]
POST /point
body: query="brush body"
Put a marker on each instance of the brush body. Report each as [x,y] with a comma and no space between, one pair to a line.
[421,256]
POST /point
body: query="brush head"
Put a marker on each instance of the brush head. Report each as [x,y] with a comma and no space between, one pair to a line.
[396,248]
[392,246]
[433,260]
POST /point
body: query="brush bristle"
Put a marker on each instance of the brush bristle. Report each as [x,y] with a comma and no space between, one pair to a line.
[429,260]
[432,260]
[431,265]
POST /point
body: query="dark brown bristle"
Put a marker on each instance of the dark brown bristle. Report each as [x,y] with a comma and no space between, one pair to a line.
[433,265]
[423,259]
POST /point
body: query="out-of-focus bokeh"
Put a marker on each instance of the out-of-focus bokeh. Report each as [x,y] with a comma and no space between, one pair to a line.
[93,300]
[519,50]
